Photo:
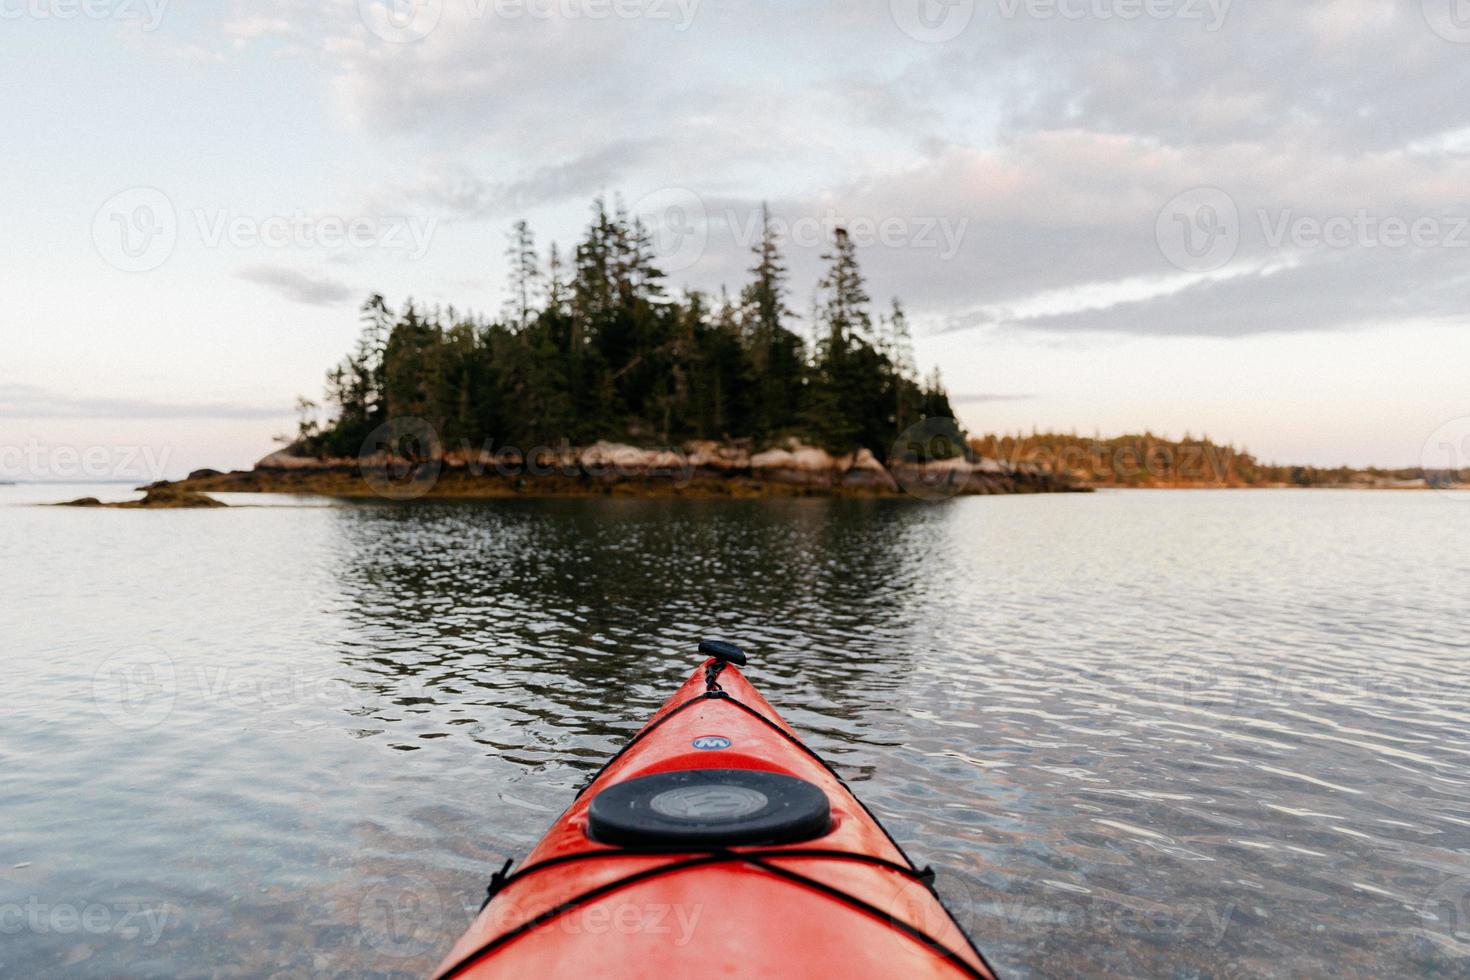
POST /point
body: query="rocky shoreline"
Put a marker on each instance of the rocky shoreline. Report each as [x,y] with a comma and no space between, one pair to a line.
[701,469]
[158,496]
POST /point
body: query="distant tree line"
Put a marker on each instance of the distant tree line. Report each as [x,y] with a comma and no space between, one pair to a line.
[591,346]
[1150,460]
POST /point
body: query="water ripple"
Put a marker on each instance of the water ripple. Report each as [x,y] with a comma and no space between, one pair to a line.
[1148,734]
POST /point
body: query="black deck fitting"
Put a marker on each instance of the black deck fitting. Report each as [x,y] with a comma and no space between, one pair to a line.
[720,650]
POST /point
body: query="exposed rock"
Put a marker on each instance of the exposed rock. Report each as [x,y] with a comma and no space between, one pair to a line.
[546,459]
[611,461]
[937,478]
[285,459]
[710,457]
[484,460]
[954,477]
[159,496]
[865,472]
[701,467]
[173,497]
[801,465]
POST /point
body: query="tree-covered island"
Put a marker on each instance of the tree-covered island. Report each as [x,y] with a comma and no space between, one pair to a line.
[595,361]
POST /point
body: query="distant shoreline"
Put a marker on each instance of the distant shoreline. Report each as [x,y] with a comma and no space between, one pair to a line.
[193,491]
[699,470]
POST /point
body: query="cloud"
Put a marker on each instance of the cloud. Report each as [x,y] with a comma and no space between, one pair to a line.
[975,399]
[298,286]
[1334,290]
[462,194]
[1047,146]
[18,401]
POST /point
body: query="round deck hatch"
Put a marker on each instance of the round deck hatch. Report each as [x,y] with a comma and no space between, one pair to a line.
[709,807]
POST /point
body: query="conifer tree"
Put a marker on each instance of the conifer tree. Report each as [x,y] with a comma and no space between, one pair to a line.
[776,353]
[525,273]
[602,352]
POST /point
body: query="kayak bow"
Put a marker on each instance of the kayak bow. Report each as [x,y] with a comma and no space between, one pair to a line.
[715,843]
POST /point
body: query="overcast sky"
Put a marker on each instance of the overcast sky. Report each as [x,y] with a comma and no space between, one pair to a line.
[1247,219]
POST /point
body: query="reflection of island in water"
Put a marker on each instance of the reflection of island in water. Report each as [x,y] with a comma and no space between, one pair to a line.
[549,630]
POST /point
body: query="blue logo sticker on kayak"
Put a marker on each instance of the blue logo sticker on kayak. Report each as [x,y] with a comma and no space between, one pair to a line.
[708,742]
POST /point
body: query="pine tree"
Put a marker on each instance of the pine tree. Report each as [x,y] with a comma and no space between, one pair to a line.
[776,354]
[594,349]
[556,285]
[900,352]
[845,312]
[945,437]
[525,273]
[841,408]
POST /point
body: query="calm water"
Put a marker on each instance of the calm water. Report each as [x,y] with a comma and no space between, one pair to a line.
[1156,734]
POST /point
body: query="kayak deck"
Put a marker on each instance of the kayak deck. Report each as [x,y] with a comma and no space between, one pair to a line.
[846,902]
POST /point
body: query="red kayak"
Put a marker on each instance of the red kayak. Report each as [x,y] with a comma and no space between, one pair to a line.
[715,844]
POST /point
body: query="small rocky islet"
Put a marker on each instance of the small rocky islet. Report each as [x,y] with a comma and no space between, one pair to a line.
[157,496]
[699,469]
